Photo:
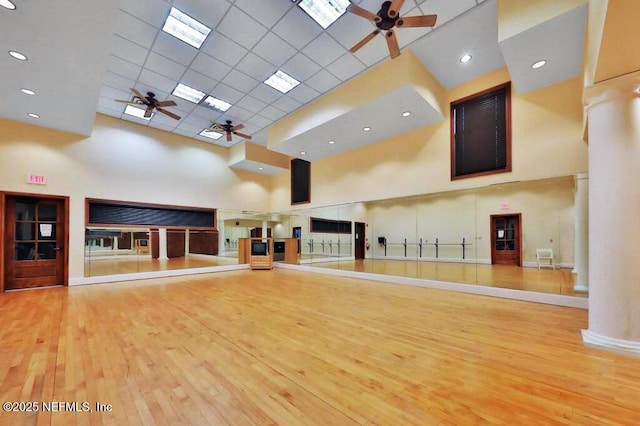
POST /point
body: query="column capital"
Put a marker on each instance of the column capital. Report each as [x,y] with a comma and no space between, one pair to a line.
[624,86]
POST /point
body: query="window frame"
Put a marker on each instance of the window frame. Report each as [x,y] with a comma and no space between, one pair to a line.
[507,100]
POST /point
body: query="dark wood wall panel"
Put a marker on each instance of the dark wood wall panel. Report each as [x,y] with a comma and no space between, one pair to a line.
[176,243]
[203,243]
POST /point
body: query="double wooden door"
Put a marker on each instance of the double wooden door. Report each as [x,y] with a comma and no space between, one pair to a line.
[34,242]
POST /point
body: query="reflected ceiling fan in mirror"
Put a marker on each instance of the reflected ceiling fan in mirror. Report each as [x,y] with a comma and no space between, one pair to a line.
[229,129]
[150,103]
[386,19]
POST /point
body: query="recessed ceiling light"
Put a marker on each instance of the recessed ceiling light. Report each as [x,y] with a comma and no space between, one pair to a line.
[17,55]
[137,112]
[303,152]
[406,113]
[539,64]
[211,134]
[216,103]
[188,93]
[324,12]
[366,129]
[32,115]
[7,4]
[332,142]
[28,92]
[465,58]
[282,82]
[260,168]
[185,28]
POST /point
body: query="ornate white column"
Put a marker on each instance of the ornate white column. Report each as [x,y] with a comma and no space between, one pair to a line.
[613,108]
[581,250]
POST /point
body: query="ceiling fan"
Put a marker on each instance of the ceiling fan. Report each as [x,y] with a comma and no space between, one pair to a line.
[386,19]
[229,129]
[151,103]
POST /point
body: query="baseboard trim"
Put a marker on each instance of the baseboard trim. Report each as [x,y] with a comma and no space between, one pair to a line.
[154,274]
[326,259]
[432,259]
[505,293]
[627,347]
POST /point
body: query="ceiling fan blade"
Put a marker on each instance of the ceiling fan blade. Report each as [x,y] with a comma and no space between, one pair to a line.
[392,43]
[238,127]
[169,113]
[395,7]
[357,10]
[128,102]
[229,137]
[166,103]
[417,21]
[242,135]
[138,94]
[148,112]
[364,41]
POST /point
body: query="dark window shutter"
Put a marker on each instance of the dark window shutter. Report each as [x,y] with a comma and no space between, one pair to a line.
[300,181]
[480,136]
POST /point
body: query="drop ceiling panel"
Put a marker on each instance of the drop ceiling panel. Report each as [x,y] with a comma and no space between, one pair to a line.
[208,12]
[127,50]
[274,49]
[223,49]
[287,104]
[210,66]
[198,81]
[157,81]
[170,47]
[135,30]
[265,93]
[241,28]
[256,67]
[227,93]
[303,93]
[269,11]
[240,81]
[122,67]
[251,104]
[323,81]
[162,65]
[297,28]
[300,67]
[153,12]
[324,49]
[346,67]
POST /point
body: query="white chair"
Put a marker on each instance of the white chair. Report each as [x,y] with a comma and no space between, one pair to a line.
[544,257]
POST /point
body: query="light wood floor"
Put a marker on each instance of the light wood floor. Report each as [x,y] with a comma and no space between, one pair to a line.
[545,280]
[290,348]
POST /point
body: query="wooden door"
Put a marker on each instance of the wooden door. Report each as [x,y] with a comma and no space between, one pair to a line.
[359,240]
[35,237]
[506,239]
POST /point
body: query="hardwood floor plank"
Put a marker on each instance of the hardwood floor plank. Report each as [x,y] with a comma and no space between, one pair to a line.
[284,347]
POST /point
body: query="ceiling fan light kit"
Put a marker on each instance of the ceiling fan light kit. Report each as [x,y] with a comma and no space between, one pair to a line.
[388,18]
[150,103]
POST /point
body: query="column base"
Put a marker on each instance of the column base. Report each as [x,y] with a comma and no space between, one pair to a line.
[581,288]
[626,347]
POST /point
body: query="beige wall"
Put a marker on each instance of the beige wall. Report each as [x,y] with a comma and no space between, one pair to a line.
[547,142]
[123,161]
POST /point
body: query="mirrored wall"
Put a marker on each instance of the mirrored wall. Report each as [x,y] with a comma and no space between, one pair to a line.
[487,236]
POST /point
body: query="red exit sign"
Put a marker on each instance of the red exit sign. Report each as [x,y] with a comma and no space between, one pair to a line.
[36,179]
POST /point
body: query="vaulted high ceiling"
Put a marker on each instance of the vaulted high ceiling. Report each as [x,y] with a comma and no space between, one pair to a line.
[82,55]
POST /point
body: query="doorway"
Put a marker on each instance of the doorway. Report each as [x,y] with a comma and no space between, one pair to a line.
[506,239]
[35,238]
[359,240]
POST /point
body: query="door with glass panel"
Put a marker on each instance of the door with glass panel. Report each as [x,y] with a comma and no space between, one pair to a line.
[506,240]
[34,252]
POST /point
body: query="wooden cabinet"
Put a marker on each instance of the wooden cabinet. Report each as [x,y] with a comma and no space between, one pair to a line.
[244,250]
[292,251]
[261,253]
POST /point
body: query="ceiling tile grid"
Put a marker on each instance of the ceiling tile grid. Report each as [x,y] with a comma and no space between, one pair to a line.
[250,40]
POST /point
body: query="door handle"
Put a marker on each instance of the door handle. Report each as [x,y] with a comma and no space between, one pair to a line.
[57,248]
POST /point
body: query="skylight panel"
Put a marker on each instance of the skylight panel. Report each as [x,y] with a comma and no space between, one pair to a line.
[216,103]
[212,134]
[188,93]
[137,112]
[324,12]
[185,28]
[282,82]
